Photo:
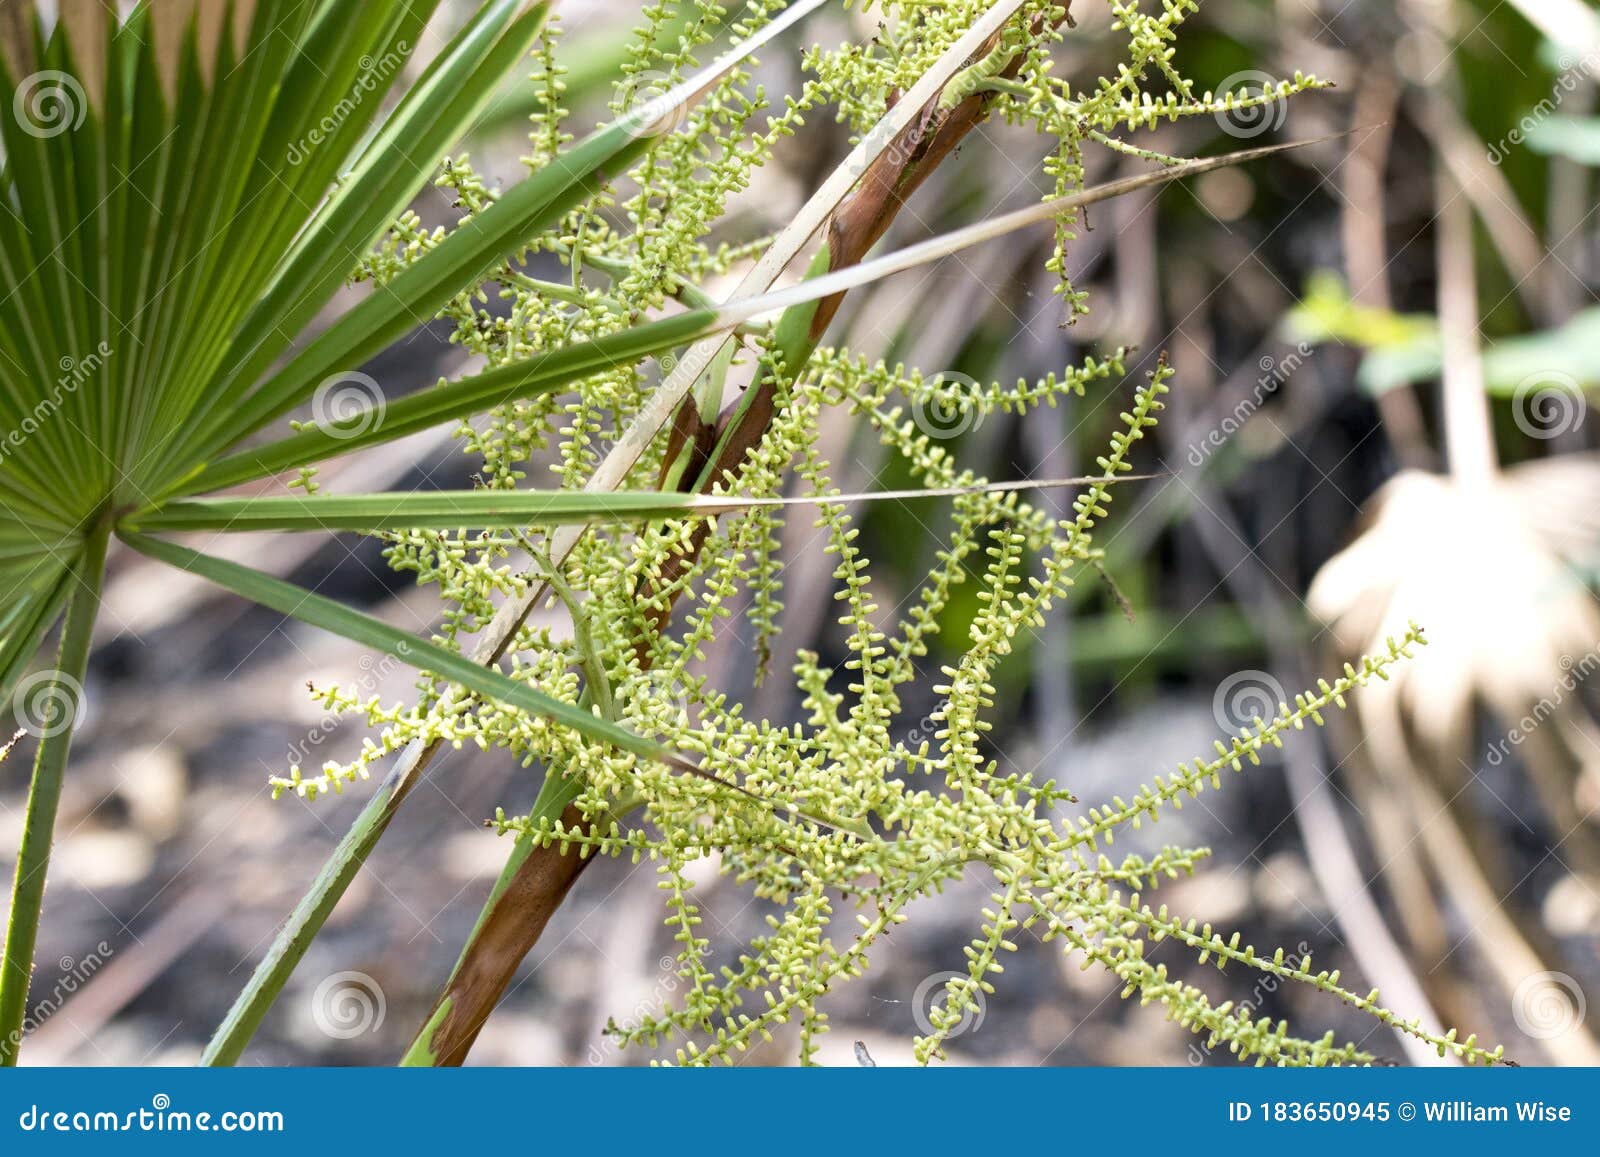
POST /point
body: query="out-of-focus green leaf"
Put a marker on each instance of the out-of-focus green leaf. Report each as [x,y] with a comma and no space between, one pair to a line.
[1405,348]
[1401,348]
[1576,138]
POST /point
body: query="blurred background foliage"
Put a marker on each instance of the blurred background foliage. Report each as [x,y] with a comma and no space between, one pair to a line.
[1351,324]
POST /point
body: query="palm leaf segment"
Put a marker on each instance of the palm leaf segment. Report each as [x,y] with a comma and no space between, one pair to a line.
[168,234]
[181,194]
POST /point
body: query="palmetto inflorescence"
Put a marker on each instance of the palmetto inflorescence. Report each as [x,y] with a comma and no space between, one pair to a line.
[224,177]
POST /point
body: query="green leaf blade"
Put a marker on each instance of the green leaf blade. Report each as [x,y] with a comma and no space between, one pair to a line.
[319,611]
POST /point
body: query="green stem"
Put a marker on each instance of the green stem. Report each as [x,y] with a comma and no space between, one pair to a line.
[531,887]
[312,912]
[65,694]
